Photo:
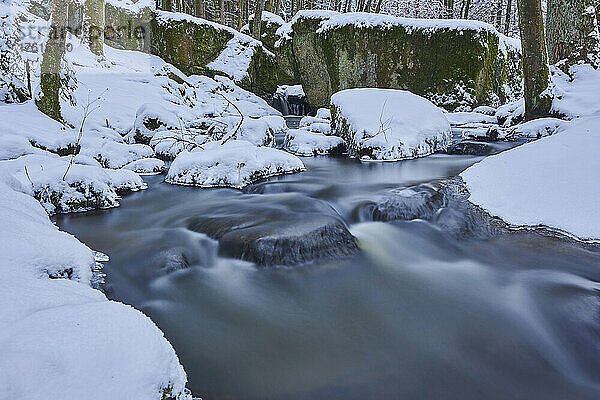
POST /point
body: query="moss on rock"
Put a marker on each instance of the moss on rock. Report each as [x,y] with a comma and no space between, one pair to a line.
[451,66]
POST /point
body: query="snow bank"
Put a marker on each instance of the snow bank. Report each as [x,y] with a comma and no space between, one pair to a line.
[146,166]
[304,143]
[550,182]
[64,187]
[387,124]
[541,127]
[60,338]
[234,164]
[324,113]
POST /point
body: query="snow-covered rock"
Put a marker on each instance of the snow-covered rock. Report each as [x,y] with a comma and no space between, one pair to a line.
[14,146]
[540,127]
[387,124]
[462,118]
[65,186]
[236,164]
[316,124]
[487,110]
[146,166]
[551,182]
[305,143]
[150,118]
[324,113]
[168,144]
[112,154]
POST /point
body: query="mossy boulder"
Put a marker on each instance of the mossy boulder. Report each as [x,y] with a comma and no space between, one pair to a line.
[192,45]
[268,29]
[126,29]
[454,63]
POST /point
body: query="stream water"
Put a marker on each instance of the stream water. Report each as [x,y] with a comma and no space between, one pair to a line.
[416,314]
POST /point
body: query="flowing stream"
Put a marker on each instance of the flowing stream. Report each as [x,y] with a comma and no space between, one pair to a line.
[417,314]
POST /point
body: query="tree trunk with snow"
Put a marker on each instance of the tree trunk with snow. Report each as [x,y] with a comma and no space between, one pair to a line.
[572,31]
[256,24]
[93,25]
[48,100]
[535,60]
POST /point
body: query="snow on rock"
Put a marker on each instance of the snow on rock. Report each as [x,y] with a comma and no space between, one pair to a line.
[316,124]
[324,113]
[146,166]
[462,118]
[290,90]
[276,123]
[305,143]
[112,154]
[551,182]
[236,164]
[168,144]
[387,124]
[13,146]
[541,127]
[576,93]
[64,187]
[149,118]
[60,338]
[487,110]
[42,131]
[511,113]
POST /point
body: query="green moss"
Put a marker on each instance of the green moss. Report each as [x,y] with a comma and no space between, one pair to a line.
[428,63]
[48,101]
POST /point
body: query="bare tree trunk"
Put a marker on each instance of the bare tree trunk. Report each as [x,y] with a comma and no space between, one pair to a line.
[448,9]
[571,31]
[260,6]
[367,7]
[465,14]
[93,25]
[222,12]
[499,7]
[378,8]
[507,17]
[48,100]
[535,60]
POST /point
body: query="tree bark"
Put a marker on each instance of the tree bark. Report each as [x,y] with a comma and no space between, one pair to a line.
[507,18]
[93,25]
[572,31]
[535,61]
[499,7]
[48,100]
[256,24]
[467,9]
[448,9]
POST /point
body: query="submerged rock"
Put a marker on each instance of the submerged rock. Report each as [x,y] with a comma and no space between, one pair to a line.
[443,203]
[277,229]
[471,148]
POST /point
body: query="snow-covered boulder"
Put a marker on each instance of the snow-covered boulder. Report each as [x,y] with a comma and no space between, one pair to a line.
[195,45]
[304,143]
[146,166]
[487,110]
[540,127]
[150,118]
[550,182]
[168,144]
[236,164]
[64,186]
[462,118]
[388,124]
[112,154]
[324,113]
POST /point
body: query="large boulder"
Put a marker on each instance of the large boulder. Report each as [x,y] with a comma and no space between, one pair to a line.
[388,124]
[197,46]
[453,63]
